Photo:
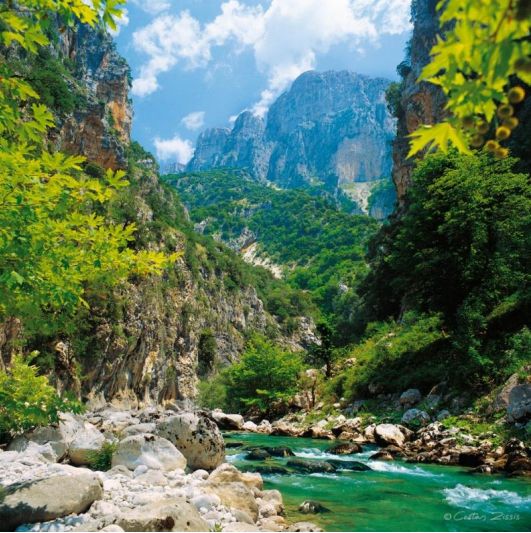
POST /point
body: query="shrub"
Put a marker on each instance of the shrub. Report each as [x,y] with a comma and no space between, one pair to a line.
[28,400]
[213,392]
[102,459]
[266,374]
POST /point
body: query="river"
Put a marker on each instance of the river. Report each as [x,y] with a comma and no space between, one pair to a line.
[394,495]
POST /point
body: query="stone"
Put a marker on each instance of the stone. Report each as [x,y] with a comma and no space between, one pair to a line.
[519,408]
[169,514]
[416,417]
[472,458]
[410,397]
[273,523]
[312,507]
[281,428]
[227,473]
[227,421]
[382,455]
[355,466]
[279,451]
[389,434]
[149,450]
[48,499]
[196,437]
[309,466]
[86,441]
[112,528]
[345,448]
[234,495]
[257,454]
[250,426]
[49,441]
[269,469]
[318,432]
[304,526]
[275,498]
[240,526]
[138,429]
[206,501]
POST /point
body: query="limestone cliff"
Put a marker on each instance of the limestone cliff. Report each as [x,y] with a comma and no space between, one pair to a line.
[100,126]
[420,103]
[331,128]
[152,338]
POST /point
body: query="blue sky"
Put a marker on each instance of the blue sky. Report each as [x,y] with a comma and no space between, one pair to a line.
[198,63]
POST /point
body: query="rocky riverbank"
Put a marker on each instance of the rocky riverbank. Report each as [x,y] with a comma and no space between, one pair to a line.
[427,432]
[153,469]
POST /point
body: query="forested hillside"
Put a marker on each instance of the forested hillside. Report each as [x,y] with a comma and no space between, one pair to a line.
[314,243]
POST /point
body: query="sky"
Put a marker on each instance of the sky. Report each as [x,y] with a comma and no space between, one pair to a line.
[199,63]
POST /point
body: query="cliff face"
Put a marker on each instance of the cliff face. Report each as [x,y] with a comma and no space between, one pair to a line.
[100,127]
[420,103]
[331,127]
[149,339]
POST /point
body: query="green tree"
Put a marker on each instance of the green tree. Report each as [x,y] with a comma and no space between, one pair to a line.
[460,249]
[323,354]
[265,375]
[27,400]
[53,238]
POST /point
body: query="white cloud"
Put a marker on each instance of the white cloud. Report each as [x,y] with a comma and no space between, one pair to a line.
[175,148]
[153,6]
[194,121]
[285,38]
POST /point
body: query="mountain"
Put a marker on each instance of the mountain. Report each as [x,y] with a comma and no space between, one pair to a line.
[298,234]
[330,128]
[151,338]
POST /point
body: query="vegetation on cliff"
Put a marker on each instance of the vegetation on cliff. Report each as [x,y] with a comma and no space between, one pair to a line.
[320,246]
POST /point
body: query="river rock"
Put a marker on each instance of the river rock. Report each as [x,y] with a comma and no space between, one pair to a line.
[382,455]
[48,499]
[196,437]
[279,451]
[345,448]
[272,523]
[410,397]
[138,429]
[416,417]
[389,434]
[86,441]
[355,466]
[234,495]
[227,421]
[227,473]
[312,507]
[280,428]
[47,441]
[309,466]
[170,514]
[268,469]
[149,450]
[265,427]
[318,432]
[519,408]
[257,454]
[241,526]
[274,497]
[250,426]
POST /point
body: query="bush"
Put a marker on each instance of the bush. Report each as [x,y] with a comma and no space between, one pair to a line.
[28,400]
[102,459]
[266,374]
[213,393]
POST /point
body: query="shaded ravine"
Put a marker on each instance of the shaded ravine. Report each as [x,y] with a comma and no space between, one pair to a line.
[393,496]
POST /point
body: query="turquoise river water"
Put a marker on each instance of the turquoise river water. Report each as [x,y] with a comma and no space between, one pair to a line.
[393,496]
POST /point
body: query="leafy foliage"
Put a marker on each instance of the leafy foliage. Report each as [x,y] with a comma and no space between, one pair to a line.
[27,399]
[459,251]
[266,374]
[484,44]
[321,247]
[101,460]
[53,241]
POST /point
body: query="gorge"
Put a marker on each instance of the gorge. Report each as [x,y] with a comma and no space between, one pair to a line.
[302,329]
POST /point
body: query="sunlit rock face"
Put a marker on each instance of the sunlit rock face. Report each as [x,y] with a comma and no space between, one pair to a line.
[421,103]
[332,128]
[100,127]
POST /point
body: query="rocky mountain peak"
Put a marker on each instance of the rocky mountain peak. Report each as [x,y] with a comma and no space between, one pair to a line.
[330,127]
